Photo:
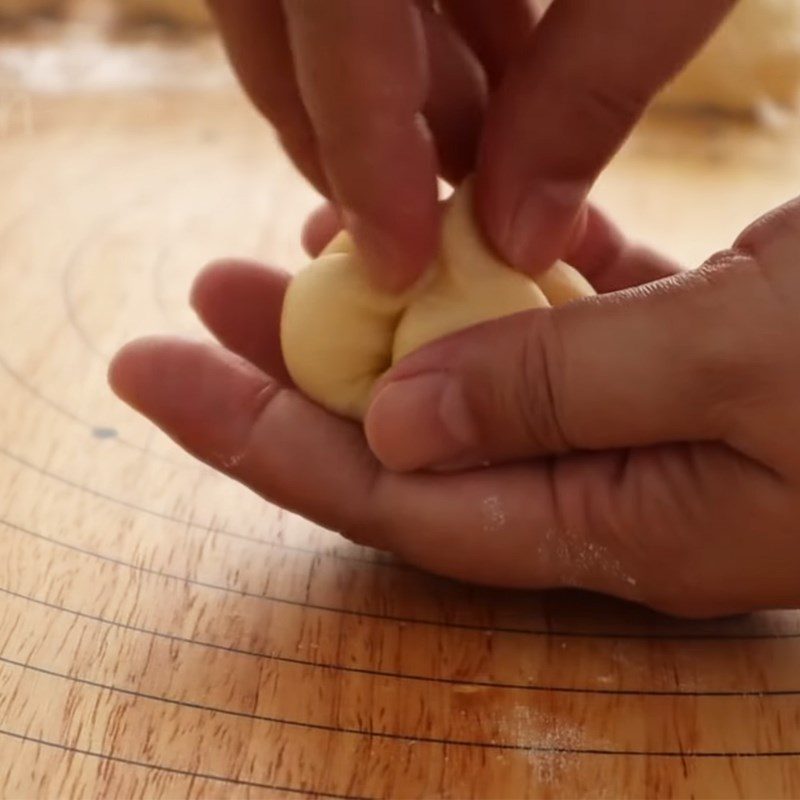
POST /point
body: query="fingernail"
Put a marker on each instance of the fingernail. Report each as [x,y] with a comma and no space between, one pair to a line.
[540,225]
[421,421]
[390,266]
[381,255]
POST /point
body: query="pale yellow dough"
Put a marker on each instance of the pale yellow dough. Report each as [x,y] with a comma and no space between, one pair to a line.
[340,334]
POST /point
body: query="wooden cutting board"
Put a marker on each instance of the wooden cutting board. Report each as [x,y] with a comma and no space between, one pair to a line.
[164,633]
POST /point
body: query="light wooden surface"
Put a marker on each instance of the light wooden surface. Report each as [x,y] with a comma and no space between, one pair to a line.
[163,633]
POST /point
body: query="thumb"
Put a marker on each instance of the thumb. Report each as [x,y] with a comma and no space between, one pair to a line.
[649,365]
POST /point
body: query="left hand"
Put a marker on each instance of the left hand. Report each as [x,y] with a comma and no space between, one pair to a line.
[692,529]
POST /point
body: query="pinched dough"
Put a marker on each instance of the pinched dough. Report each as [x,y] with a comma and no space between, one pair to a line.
[340,334]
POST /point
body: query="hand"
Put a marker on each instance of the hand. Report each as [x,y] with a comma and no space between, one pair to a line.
[373,99]
[667,415]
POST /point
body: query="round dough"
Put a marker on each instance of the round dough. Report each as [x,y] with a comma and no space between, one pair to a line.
[752,61]
[339,334]
[193,13]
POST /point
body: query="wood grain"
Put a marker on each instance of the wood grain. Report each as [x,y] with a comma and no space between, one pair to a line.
[163,633]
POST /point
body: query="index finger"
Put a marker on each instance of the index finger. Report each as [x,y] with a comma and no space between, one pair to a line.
[565,108]
[361,70]
[254,35]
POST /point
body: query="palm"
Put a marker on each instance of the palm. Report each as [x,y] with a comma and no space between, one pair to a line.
[517,525]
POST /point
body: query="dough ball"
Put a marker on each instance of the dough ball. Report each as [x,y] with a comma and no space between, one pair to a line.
[469,285]
[192,13]
[339,334]
[752,61]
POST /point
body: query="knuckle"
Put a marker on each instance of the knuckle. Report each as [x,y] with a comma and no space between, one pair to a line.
[608,112]
[717,263]
[739,334]
[621,105]
[263,398]
[539,390]
[233,461]
[771,250]
[613,110]
[357,138]
[653,510]
[781,223]
[373,524]
[640,536]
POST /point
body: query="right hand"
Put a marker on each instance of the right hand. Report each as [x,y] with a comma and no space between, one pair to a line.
[373,99]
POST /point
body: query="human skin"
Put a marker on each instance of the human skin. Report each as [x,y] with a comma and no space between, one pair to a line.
[373,100]
[641,443]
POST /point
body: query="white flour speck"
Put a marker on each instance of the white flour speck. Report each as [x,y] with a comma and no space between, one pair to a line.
[578,558]
[494,515]
[547,739]
[230,461]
